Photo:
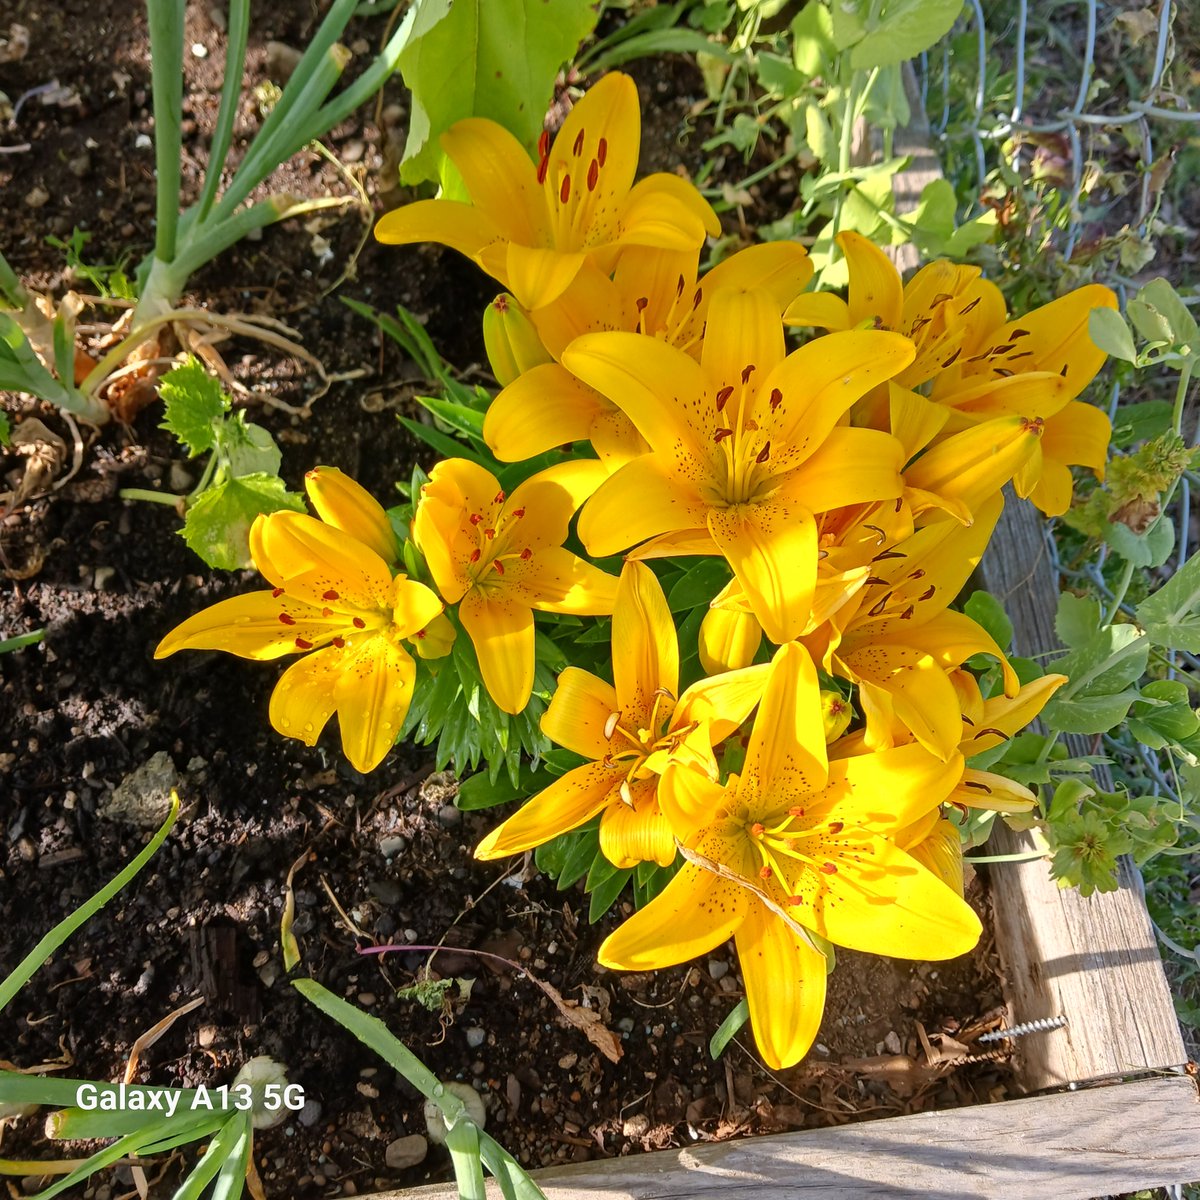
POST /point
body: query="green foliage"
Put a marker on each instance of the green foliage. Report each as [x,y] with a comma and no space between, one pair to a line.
[241,480]
[729,1028]
[457,61]
[887,34]
[5,429]
[1171,617]
[108,279]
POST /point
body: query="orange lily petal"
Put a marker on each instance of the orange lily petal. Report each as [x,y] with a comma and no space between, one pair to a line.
[744,332]
[876,294]
[639,502]
[350,508]
[722,703]
[851,466]
[499,177]
[373,690]
[579,711]
[501,629]
[637,834]
[818,310]
[446,222]
[542,409]
[303,699]
[645,650]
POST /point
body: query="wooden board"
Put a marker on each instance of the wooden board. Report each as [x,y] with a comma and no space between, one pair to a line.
[1081,1144]
[1094,961]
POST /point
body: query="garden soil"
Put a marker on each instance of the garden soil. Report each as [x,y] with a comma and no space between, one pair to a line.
[385,858]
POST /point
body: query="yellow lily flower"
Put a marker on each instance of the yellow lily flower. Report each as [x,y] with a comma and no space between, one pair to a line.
[335,597]
[745,447]
[628,730]
[500,557]
[898,642]
[797,843]
[344,504]
[655,293]
[532,225]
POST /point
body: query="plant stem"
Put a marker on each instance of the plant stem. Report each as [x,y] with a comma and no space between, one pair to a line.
[166,77]
[21,640]
[154,497]
[1020,856]
[1122,588]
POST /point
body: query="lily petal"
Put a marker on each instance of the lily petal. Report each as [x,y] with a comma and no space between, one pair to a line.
[303,699]
[373,690]
[876,294]
[578,712]
[722,702]
[501,629]
[645,650]
[639,502]
[637,834]
[446,222]
[851,466]
[542,409]
[744,334]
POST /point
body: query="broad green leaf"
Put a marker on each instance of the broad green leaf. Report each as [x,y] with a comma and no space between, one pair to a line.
[777,75]
[1101,672]
[699,585]
[813,47]
[989,612]
[194,403]
[1110,332]
[904,30]
[1136,423]
[819,134]
[729,1028]
[1077,620]
[1171,617]
[1149,549]
[248,449]
[849,23]
[217,527]
[458,61]
[1161,316]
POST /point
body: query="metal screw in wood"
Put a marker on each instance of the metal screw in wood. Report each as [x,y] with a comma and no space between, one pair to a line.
[1042,1026]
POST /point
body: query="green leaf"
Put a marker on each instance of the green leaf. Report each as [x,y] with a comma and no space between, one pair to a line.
[1136,423]
[1171,617]
[1101,672]
[813,48]
[819,134]
[194,404]
[248,449]
[903,30]
[1149,549]
[777,75]
[1111,333]
[984,608]
[729,1029]
[458,61]
[1077,620]
[5,430]
[1161,316]
[217,527]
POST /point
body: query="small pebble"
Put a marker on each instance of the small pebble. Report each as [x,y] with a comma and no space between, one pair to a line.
[310,1114]
[143,141]
[406,1152]
[476,1037]
[199,50]
[717,969]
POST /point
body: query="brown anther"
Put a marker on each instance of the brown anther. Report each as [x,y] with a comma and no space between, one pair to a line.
[776,398]
[883,603]
[721,434]
[564,190]
[880,535]
[420,635]
[286,619]
[978,786]
[876,580]
[697,298]
[907,614]
[340,642]
[764,454]
[475,518]
[968,308]
[610,726]
[1018,333]
[928,593]
[968,720]
[747,371]
[526,554]
[593,175]
[602,151]
[679,286]
[990,729]
[330,595]
[497,566]
[952,359]
[577,147]
[723,397]
[758,829]
[301,644]
[941,298]
[277,592]
[1004,372]
[1022,354]
[919,573]
[829,868]
[1063,372]
[500,304]
[642,303]
[836,826]
[358,623]
[887,553]
[476,555]
[499,498]
[764,872]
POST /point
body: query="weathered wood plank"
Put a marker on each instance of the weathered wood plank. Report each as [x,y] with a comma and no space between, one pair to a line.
[1094,961]
[1097,1141]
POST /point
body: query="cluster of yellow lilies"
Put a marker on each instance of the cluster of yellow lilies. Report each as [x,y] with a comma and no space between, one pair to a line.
[851,485]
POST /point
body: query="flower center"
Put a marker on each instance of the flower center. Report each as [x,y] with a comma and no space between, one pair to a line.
[497,547]
[743,463]
[789,848]
[631,743]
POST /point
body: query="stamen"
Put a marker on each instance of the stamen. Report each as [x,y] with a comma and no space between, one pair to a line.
[758,829]
[626,794]
[951,360]
[602,151]
[836,826]
[747,371]
[795,812]
[642,303]
[277,593]
[526,554]
[928,593]
[286,619]
[723,397]
[340,642]
[476,554]
[610,726]
[990,729]
[593,175]
[301,644]
[721,434]
[829,868]
[764,454]
[359,623]
[765,872]
[887,553]
[679,286]
[577,148]
[1018,333]
[543,143]
[776,398]
[330,595]
[499,498]
[475,518]
[489,534]
[564,191]
[970,306]
[919,573]
[518,513]
[498,566]
[907,614]
[327,613]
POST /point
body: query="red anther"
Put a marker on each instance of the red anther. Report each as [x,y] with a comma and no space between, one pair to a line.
[498,565]
[764,872]
[679,286]
[489,534]
[577,148]
[642,303]
[301,644]
[420,635]
[776,398]
[286,619]
[722,396]
[564,190]
[758,829]
[475,555]
[925,595]
[602,151]
[829,868]
[476,518]
[747,371]
[499,498]
[277,592]
[544,143]
[1033,425]
[327,613]
[359,623]
[795,901]
[518,513]
[721,434]
[764,454]
[593,175]
[543,167]
[919,573]
[340,642]
[527,554]
[836,826]
[795,812]
[697,298]
[330,595]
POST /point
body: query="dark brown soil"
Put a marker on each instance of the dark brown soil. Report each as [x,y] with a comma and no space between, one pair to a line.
[389,855]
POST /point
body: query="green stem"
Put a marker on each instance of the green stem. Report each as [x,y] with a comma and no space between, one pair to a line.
[153,497]
[1122,588]
[1021,856]
[22,640]
[231,91]
[166,77]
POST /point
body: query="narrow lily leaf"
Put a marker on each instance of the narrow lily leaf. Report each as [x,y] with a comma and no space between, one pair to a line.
[213,1160]
[232,1177]
[25,969]
[729,1028]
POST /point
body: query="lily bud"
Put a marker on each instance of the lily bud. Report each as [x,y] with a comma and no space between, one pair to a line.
[350,508]
[729,640]
[512,344]
[835,715]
